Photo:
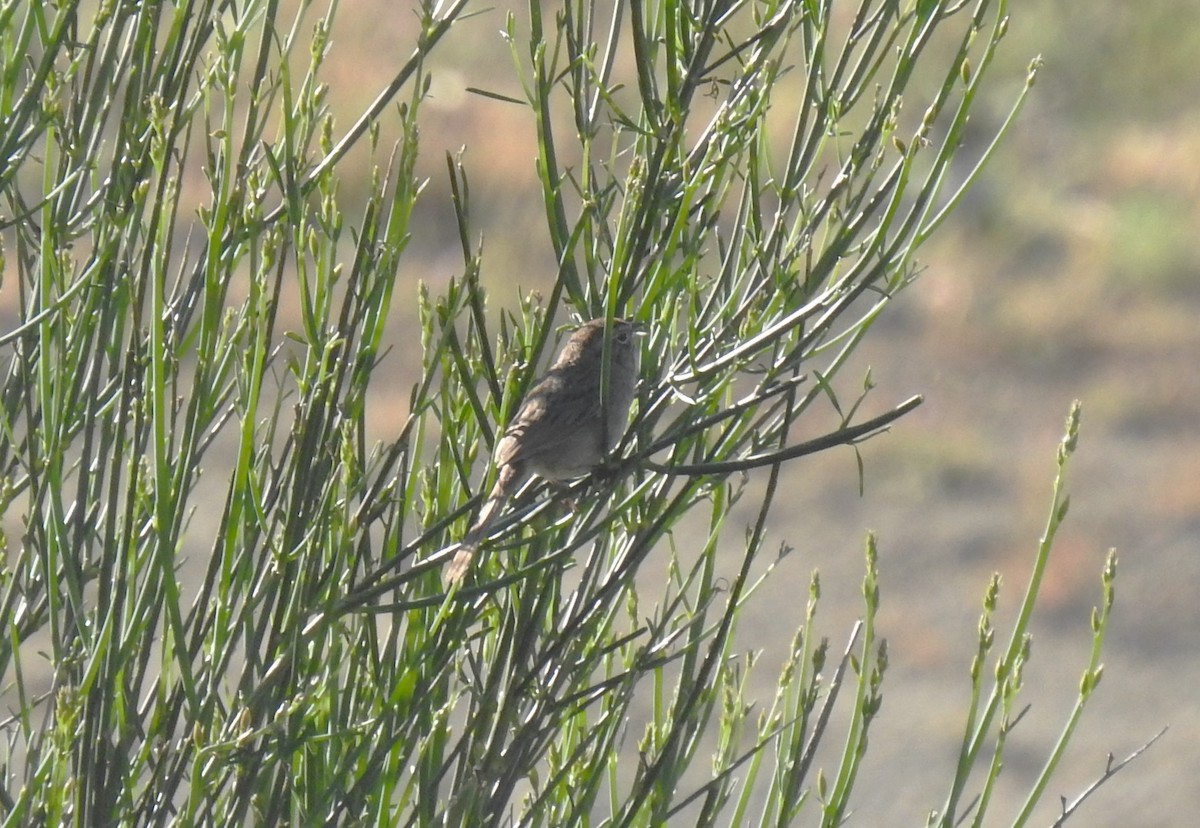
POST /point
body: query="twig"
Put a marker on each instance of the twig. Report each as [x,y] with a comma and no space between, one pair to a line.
[1110,770]
[843,436]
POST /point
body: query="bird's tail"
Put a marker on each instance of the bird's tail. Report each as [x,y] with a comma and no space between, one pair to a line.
[457,569]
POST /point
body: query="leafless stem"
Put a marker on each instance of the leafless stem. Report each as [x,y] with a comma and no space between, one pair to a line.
[1110,770]
[843,436]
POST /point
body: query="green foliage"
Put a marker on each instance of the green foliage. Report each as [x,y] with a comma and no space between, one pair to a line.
[288,656]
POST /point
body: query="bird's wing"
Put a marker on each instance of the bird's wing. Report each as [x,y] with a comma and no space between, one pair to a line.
[544,425]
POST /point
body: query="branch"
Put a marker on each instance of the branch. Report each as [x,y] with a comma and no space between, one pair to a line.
[843,436]
[1110,770]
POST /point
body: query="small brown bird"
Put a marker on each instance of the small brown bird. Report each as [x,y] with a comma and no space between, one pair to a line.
[561,430]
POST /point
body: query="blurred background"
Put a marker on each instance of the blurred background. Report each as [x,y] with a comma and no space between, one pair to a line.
[1070,272]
